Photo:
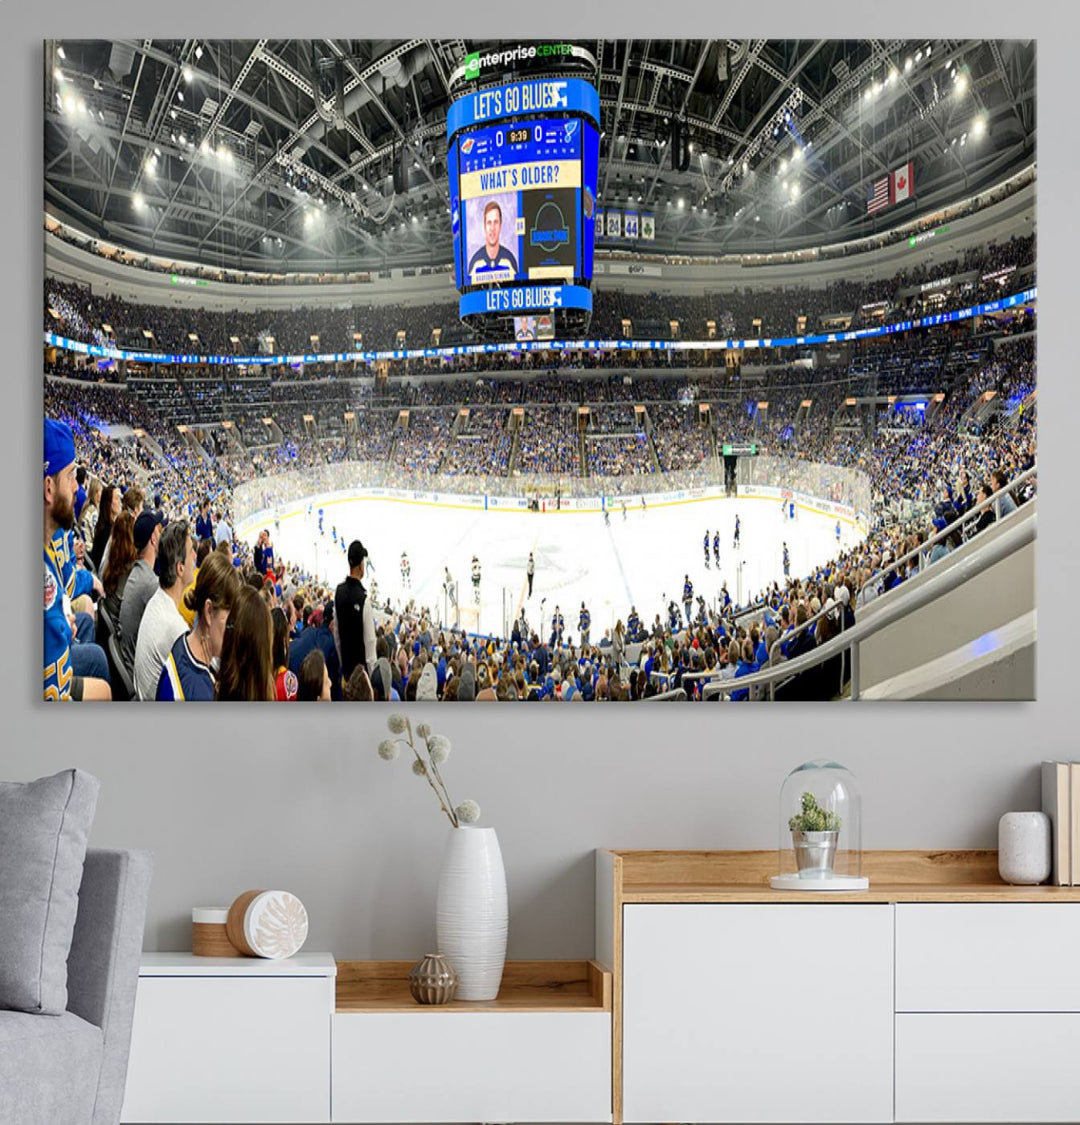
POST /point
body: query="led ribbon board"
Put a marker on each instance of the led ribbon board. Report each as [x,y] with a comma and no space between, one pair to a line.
[570,296]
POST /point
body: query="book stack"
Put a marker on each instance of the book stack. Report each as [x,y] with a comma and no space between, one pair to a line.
[1061,803]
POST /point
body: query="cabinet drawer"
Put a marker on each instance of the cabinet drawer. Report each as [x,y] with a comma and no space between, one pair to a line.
[235,1049]
[988,957]
[472,1066]
[1007,1066]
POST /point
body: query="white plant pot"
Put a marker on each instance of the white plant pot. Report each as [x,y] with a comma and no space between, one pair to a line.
[470,914]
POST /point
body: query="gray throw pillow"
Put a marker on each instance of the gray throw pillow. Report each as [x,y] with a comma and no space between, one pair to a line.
[44,827]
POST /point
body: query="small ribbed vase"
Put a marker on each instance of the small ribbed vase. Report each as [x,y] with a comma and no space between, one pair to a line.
[433,980]
[470,914]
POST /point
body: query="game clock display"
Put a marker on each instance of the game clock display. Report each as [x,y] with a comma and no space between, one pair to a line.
[522,201]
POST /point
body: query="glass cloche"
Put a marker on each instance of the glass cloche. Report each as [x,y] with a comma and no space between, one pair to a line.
[820,830]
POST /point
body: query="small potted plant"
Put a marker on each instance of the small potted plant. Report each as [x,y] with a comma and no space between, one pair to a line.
[814,834]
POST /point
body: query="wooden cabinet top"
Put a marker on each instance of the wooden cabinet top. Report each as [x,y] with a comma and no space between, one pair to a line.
[743,876]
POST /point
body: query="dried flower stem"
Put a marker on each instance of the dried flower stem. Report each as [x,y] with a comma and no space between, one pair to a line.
[434,766]
[444,797]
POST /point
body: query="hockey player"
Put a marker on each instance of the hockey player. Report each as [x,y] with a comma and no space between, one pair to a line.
[644,508]
[406,571]
[706,548]
[321,531]
[333,534]
[725,598]
[607,517]
[476,579]
[623,506]
[584,621]
[716,549]
[838,533]
[688,598]
[530,570]
[787,562]
[738,528]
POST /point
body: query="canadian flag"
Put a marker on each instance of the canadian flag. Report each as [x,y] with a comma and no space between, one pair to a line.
[903,182]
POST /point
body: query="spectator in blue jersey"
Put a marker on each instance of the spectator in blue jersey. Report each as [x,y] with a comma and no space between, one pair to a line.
[492,257]
[189,672]
[60,680]
[319,635]
[747,667]
[204,525]
[80,491]
[688,599]
[584,622]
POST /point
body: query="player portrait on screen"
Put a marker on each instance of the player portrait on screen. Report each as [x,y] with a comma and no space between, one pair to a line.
[491,260]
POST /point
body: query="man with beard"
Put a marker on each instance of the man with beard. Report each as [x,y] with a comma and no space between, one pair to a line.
[60,680]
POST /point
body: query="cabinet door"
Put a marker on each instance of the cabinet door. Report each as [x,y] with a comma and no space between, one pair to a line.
[230,1049]
[758,1013]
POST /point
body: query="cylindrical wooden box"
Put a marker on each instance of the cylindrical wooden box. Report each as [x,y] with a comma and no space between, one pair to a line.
[208,932]
[270,924]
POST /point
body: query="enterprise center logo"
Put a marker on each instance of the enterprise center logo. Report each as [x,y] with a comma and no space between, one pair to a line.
[473,65]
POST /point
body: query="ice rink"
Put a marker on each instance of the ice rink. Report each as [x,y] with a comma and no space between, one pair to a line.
[639,559]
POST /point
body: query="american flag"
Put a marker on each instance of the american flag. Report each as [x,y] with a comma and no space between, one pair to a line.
[879,196]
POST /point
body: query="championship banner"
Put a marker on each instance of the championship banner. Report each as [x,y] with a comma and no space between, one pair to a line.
[648,227]
[599,223]
[614,224]
[630,224]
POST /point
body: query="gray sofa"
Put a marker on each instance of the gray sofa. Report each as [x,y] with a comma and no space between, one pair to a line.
[70,1069]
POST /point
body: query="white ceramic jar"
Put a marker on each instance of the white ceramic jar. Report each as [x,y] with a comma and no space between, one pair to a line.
[1024,848]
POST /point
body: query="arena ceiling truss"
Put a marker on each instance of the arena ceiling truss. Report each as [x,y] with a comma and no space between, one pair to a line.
[279,154]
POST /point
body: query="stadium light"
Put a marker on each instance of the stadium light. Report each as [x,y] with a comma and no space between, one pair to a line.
[682,203]
[785,185]
[188,74]
[918,56]
[60,52]
[928,49]
[894,74]
[172,114]
[961,83]
[795,191]
[783,165]
[58,74]
[180,95]
[868,95]
[745,166]
[978,126]
[797,155]
[907,64]
[198,52]
[138,201]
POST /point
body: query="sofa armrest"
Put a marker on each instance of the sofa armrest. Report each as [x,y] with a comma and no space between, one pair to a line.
[103,965]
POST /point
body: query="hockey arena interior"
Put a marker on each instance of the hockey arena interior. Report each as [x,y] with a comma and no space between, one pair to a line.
[732,398]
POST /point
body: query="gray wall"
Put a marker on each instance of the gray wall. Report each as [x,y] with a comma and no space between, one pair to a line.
[235,798]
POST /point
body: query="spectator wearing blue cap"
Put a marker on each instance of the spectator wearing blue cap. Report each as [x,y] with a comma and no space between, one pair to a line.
[60,679]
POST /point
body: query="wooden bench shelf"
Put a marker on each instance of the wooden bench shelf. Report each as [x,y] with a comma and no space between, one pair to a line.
[527,986]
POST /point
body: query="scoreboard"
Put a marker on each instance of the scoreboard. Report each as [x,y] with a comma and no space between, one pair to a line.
[523,199]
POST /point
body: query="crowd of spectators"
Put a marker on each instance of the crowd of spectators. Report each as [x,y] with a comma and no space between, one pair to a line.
[74,311]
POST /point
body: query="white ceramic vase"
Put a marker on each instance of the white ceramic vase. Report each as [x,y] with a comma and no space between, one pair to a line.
[1024,843]
[470,914]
